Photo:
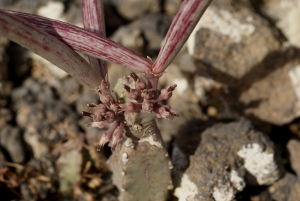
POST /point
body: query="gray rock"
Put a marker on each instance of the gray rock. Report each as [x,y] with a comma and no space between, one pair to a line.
[131,9]
[2,160]
[144,35]
[230,42]
[6,116]
[283,188]
[23,6]
[155,27]
[293,147]
[3,59]
[286,15]
[239,49]
[44,118]
[183,100]
[11,141]
[44,182]
[85,97]
[172,6]
[270,92]
[130,36]
[228,157]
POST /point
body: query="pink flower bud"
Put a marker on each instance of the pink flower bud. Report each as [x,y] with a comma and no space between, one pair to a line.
[134,76]
[164,111]
[110,117]
[107,135]
[140,84]
[87,114]
[118,135]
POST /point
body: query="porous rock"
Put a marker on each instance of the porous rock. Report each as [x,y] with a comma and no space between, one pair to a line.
[285,188]
[226,40]
[286,15]
[11,141]
[229,157]
[131,9]
[150,29]
[260,77]
[43,182]
[43,118]
[293,147]
[130,36]
[172,6]
[270,92]
[141,165]
[183,100]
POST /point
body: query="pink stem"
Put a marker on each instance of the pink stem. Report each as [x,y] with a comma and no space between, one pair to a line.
[179,31]
[93,20]
[88,42]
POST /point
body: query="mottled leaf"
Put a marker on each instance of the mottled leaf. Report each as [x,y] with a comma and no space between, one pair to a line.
[49,47]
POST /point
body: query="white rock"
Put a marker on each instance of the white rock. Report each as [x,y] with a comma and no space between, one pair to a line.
[223,22]
[53,10]
[187,190]
[259,163]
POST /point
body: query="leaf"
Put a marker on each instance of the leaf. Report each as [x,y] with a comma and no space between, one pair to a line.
[88,42]
[179,31]
[48,47]
[93,20]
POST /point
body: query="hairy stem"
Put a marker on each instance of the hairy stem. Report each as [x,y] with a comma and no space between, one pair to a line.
[48,47]
[88,42]
[179,31]
[141,164]
[93,20]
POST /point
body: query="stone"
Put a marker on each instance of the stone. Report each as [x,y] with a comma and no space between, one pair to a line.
[270,92]
[172,6]
[228,157]
[281,190]
[227,40]
[43,184]
[130,36]
[55,71]
[11,141]
[144,35]
[285,15]
[131,9]
[254,75]
[293,147]
[155,27]
[183,100]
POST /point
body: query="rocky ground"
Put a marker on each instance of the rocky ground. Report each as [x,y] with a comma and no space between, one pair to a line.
[238,95]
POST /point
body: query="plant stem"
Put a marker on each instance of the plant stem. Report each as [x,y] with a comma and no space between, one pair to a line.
[179,31]
[93,20]
[87,42]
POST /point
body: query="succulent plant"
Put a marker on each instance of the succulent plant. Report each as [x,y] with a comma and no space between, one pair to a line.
[140,162]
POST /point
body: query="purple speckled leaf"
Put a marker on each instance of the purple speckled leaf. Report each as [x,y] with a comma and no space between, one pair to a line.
[88,42]
[180,29]
[93,20]
[48,47]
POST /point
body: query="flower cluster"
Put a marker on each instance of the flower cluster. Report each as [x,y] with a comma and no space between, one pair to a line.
[137,96]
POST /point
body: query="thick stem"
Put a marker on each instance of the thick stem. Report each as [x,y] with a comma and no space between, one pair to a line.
[141,164]
[179,31]
[48,47]
[93,20]
[87,42]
